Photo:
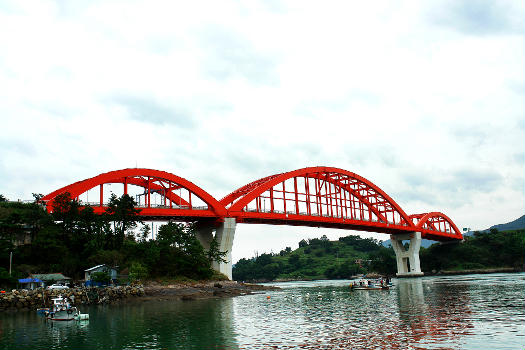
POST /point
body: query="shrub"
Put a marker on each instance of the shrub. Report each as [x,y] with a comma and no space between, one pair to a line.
[137,272]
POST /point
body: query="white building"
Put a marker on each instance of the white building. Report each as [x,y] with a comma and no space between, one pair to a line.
[101,268]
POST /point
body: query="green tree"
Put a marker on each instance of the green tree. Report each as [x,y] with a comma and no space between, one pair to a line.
[137,272]
[383,260]
[101,277]
[214,253]
[121,211]
[181,253]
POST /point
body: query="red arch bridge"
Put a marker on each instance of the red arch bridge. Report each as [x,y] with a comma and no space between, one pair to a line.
[315,196]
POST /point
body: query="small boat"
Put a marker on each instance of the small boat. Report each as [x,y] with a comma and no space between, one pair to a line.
[42,311]
[368,286]
[62,310]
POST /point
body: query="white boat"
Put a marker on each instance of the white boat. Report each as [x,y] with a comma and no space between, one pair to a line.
[371,288]
[367,285]
[62,310]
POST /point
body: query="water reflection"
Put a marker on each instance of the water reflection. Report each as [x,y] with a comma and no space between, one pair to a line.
[461,312]
[205,324]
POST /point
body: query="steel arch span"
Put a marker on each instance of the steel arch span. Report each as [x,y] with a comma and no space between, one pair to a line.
[315,196]
[178,195]
[436,226]
[333,198]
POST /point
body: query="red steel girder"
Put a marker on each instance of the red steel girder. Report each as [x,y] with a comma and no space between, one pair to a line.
[319,173]
[80,187]
[340,199]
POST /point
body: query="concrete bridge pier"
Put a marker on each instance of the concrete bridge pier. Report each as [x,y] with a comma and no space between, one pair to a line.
[224,235]
[408,264]
[204,234]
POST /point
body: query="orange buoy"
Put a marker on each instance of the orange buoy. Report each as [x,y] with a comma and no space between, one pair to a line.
[268,297]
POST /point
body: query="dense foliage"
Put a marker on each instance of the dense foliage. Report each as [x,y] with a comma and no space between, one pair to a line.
[321,258]
[491,249]
[73,238]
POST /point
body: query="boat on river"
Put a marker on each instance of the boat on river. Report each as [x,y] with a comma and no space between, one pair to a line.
[368,285]
[62,310]
[370,288]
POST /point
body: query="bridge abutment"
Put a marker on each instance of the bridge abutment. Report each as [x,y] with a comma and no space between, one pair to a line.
[408,264]
[224,235]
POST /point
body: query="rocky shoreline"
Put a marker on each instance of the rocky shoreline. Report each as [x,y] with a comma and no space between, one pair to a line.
[200,290]
[475,271]
[25,300]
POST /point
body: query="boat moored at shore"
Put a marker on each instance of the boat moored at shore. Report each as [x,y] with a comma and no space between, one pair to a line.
[62,310]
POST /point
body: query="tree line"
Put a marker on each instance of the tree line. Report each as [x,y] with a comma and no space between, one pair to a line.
[73,238]
[320,258]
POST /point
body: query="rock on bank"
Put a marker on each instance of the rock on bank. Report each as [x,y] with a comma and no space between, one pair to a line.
[33,299]
[200,290]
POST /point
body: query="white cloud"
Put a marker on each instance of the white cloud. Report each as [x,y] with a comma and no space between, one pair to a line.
[423,99]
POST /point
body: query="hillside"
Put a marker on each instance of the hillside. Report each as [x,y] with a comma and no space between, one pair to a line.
[319,258]
[324,259]
[518,224]
[425,243]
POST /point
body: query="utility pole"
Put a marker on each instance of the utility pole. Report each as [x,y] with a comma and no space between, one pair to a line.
[10,261]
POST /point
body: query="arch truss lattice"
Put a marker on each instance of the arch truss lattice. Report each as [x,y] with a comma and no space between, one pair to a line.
[315,196]
[174,196]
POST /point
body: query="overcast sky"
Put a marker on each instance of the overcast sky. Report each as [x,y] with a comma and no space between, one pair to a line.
[423,98]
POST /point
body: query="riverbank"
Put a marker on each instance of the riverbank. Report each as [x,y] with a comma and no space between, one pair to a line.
[475,271]
[200,290]
[24,300]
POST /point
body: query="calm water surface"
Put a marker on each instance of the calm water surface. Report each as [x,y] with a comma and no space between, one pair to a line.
[460,312]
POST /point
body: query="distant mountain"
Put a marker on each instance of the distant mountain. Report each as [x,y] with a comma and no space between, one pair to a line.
[425,243]
[518,224]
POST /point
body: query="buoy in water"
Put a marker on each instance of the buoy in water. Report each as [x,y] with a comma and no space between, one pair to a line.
[268,297]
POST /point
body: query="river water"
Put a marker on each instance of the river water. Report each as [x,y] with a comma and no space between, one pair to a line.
[459,312]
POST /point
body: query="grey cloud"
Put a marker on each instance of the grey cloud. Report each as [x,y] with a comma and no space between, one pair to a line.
[229,55]
[473,180]
[455,188]
[414,180]
[427,197]
[474,135]
[313,108]
[162,44]
[478,17]
[518,184]
[519,158]
[150,111]
[19,147]
[275,6]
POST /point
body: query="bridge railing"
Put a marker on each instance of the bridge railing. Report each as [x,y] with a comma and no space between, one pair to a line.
[276,211]
[142,206]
